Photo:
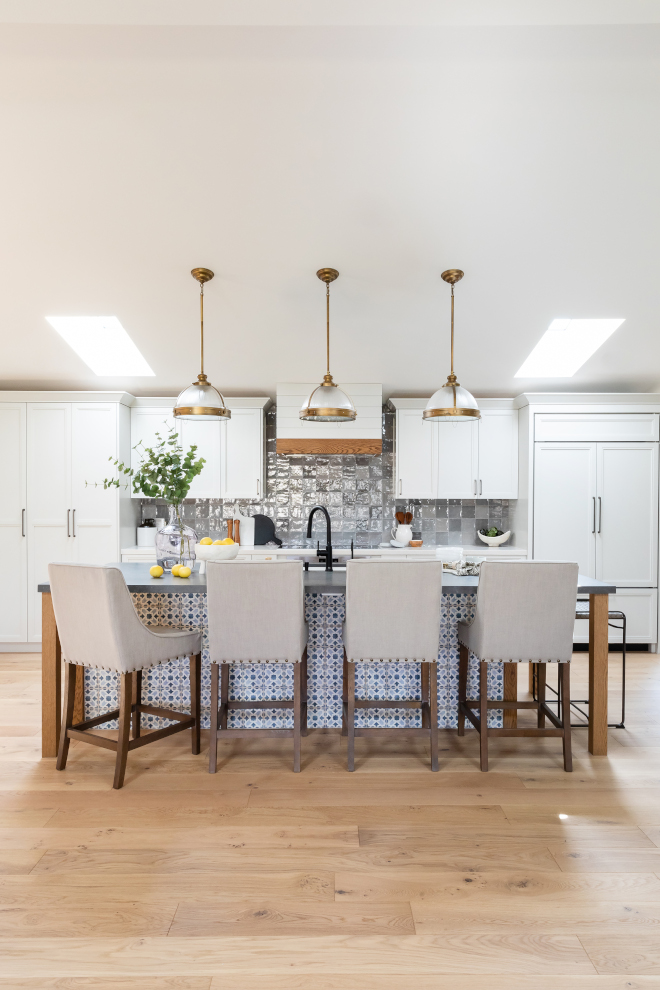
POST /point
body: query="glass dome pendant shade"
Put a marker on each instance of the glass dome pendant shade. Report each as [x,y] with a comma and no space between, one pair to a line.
[451,402]
[201,400]
[328,403]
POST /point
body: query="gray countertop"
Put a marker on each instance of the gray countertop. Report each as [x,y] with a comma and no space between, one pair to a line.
[138,579]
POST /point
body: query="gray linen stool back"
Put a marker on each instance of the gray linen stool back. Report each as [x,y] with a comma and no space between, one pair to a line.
[98,624]
[525,612]
[393,610]
[256,612]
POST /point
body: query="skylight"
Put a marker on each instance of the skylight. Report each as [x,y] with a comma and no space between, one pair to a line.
[565,346]
[103,345]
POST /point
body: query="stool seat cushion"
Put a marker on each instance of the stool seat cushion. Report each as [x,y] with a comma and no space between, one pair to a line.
[525,612]
[99,627]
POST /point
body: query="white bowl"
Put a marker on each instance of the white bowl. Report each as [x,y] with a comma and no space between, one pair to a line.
[494,541]
[204,552]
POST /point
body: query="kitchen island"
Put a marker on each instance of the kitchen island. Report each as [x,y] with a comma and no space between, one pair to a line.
[181,603]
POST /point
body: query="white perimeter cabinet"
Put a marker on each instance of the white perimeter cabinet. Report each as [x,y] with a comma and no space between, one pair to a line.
[471,459]
[49,507]
[596,502]
[233,449]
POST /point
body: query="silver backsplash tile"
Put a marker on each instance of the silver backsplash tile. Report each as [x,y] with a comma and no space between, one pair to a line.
[357,490]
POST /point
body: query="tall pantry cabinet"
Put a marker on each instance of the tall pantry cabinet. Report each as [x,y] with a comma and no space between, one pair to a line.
[52,506]
[592,487]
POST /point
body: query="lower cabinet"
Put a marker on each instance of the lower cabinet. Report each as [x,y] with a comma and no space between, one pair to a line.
[640,606]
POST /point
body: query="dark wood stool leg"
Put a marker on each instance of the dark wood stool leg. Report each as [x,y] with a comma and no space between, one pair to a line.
[195,692]
[540,680]
[483,713]
[137,700]
[213,741]
[344,696]
[565,674]
[350,717]
[433,713]
[224,695]
[425,695]
[462,685]
[297,706]
[304,687]
[67,721]
[125,704]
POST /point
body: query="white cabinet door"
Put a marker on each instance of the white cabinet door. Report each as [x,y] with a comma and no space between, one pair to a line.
[13,534]
[146,422]
[640,607]
[48,498]
[206,435]
[565,503]
[94,512]
[416,453]
[458,459]
[243,454]
[498,453]
[627,514]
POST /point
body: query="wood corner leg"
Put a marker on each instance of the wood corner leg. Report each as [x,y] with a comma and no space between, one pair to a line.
[125,704]
[510,693]
[215,700]
[69,700]
[350,718]
[297,713]
[195,692]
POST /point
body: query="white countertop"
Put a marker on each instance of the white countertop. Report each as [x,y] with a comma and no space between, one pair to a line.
[423,551]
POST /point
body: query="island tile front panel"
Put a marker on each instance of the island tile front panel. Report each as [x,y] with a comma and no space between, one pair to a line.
[168,686]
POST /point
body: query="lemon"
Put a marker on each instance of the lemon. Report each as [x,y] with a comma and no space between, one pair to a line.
[227,542]
[175,570]
[156,571]
[217,543]
[184,572]
[206,542]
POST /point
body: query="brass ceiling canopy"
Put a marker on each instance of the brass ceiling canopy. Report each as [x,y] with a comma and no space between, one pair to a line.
[457,404]
[201,401]
[328,403]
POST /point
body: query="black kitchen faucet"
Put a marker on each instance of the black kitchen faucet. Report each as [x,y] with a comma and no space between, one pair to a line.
[328,545]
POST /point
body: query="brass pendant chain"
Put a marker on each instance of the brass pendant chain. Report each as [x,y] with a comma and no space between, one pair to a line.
[201,321]
[327,325]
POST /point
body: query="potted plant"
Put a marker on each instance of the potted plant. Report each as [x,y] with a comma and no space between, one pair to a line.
[166,472]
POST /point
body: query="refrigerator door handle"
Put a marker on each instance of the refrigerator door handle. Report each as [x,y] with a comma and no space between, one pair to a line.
[600,512]
[593,528]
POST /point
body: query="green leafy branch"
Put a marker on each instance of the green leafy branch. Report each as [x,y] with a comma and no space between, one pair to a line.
[167,470]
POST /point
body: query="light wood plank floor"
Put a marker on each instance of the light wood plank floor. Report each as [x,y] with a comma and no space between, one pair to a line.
[525,878]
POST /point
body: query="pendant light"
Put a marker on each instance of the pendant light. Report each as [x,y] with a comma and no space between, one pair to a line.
[327,403]
[456,404]
[201,400]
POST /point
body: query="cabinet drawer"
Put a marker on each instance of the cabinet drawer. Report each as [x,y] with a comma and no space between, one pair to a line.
[595,426]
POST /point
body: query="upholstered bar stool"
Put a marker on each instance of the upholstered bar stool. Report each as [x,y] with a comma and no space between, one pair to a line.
[99,627]
[525,614]
[256,614]
[393,616]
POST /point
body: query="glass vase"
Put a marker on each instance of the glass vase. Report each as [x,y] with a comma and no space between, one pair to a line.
[175,543]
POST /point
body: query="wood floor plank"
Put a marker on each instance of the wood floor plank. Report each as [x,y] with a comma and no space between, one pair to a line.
[86,920]
[581,918]
[199,917]
[19,860]
[369,955]
[419,836]
[196,814]
[298,885]
[111,983]
[25,817]
[607,860]
[438,981]
[638,955]
[246,837]
[496,856]
[381,886]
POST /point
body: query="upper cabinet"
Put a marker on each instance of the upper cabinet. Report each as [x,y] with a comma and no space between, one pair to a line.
[476,459]
[232,449]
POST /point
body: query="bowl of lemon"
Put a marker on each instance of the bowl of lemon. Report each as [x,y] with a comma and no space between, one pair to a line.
[208,549]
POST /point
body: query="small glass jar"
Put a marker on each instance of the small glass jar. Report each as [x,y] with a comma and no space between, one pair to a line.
[175,543]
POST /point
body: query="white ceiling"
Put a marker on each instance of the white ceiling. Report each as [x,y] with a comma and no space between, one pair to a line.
[522,150]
